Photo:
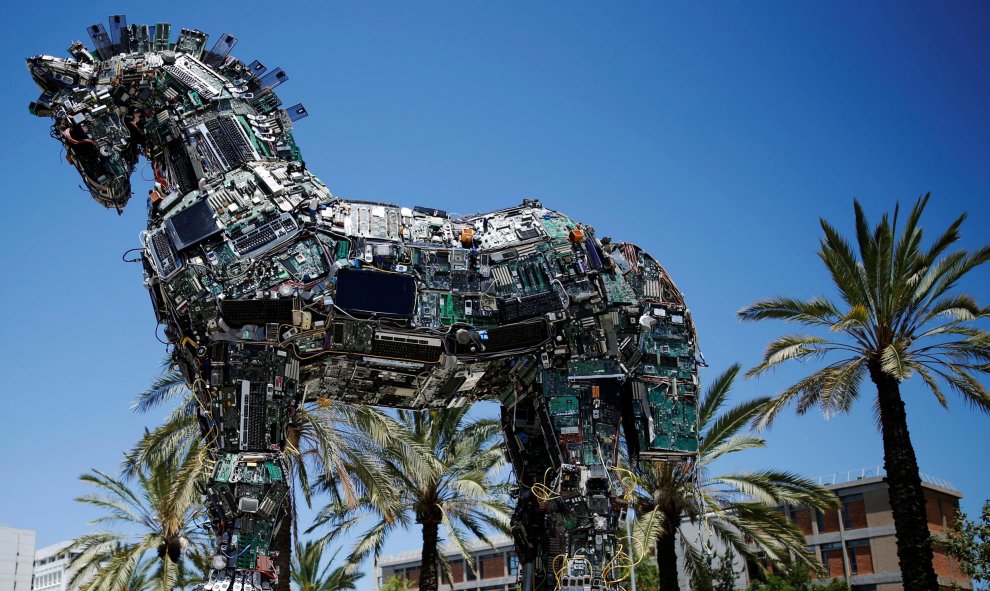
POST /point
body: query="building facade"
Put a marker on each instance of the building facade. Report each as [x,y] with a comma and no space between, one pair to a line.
[16,556]
[856,543]
[496,568]
[51,565]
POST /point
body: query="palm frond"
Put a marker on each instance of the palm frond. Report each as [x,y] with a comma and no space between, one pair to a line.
[170,385]
[716,394]
[416,460]
[795,346]
[775,487]
[833,388]
[729,423]
[813,312]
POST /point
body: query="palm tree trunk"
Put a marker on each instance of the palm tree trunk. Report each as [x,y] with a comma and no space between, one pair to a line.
[667,555]
[428,568]
[907,498]
[283,544]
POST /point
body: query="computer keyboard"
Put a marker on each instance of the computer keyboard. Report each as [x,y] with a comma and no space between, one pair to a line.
[531,306]
[400,346]
[166,260]
[517,336]
[252,435]
[266,236]
[237,313]
[256,422]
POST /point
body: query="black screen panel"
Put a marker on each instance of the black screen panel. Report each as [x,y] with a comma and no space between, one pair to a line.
[375,292]
[192,225]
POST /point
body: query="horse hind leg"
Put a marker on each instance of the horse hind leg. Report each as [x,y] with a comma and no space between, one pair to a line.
[563,441]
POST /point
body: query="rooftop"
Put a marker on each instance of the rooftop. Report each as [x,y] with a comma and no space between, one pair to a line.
[52,550]
[877,472]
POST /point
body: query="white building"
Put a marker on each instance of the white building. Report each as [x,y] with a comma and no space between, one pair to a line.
[51,568]
[16,554]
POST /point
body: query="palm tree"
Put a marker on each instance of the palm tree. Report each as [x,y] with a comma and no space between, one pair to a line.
[142,577]
[154,519]
[320,440]
[737,508]
[900,315]
[446,477]
[309,575]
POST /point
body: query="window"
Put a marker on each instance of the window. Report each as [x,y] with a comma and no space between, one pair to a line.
[860,557]
[853,512]
[456,571]
[492,566]
[820,518]
[832,559]
[934,509]
[512,561]
[801,517]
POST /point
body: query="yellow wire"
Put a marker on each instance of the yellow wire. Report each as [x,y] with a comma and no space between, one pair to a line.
[632,487]
[608,568]
[629,566]
[558,573]
[543,492]
[196,397]
[209,413]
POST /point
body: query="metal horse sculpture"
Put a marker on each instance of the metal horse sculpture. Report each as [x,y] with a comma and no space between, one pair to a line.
[274,291]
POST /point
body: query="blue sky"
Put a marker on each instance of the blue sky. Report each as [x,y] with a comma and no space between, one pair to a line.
[712,136]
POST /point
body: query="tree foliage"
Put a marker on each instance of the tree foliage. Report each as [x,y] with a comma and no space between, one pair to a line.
[309,572]
[899,316]
[439,469]
[900,313]
[396,583]
[968,541]
[717,574]
[739,507]
[647,578]
[151,518]
[797,578]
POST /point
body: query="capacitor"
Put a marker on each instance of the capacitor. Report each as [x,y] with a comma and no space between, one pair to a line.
[285,290]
